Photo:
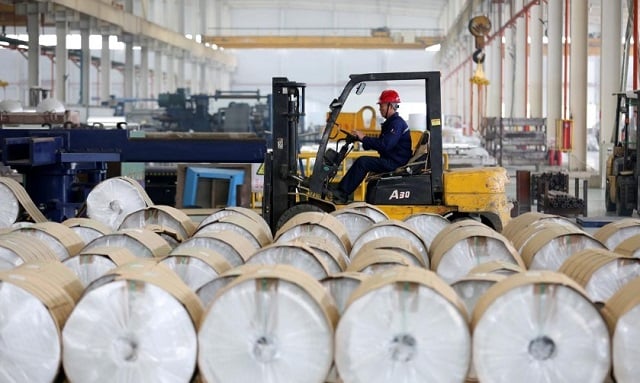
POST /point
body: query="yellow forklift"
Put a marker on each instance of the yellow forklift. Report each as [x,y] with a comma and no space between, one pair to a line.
[425,184]
[621,190]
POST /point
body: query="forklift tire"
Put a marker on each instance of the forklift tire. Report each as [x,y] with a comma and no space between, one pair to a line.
[621,207]
[295,210]
[609,206]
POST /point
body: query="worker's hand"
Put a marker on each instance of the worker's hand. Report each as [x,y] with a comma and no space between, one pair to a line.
[358,134]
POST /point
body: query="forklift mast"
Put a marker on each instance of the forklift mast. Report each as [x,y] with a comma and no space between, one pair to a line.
[319,179]
[281,162]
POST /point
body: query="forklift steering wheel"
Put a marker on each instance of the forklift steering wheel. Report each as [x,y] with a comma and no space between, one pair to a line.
[350,136]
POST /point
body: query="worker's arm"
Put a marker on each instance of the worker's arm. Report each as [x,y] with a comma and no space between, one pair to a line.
[387,140]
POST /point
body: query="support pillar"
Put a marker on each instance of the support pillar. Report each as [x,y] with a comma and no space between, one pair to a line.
[60,91]
[578,84]
[554,68]
[520,80]
[85,70]
[105,70]
[536,54]
[128,67]
[33,31]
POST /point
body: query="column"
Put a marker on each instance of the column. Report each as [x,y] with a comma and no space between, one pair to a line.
[554,67]
[33,31]
[610,74]
[520,80]
[144,71]
[158,77]
[105,69]
[128,66]
[578,85]
[60,91]
[536,56]
[85,70]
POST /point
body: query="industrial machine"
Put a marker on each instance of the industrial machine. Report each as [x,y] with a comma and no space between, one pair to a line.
[621,191]
[428,187]
[187,112]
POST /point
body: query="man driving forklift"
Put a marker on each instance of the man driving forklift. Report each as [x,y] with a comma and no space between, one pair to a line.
[393,145]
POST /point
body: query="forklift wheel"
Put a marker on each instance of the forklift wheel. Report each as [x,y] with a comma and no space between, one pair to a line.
[295,210]
[621,207]
[609,206]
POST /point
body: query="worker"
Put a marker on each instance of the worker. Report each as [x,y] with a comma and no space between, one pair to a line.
[393,145]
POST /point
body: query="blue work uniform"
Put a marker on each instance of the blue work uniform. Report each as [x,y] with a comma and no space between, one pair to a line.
[394,146]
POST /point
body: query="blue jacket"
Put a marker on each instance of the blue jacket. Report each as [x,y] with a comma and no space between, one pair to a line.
[394,141]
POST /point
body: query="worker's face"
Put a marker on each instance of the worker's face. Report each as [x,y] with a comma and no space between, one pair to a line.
[385,110]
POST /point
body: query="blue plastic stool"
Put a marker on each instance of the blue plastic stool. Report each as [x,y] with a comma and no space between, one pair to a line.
[235,177]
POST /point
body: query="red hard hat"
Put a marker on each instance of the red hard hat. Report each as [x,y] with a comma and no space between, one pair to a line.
[389,96]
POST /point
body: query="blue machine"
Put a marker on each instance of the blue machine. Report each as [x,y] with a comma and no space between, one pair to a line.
[61,166]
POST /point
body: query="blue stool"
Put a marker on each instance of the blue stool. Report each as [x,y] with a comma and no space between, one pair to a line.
[235,177]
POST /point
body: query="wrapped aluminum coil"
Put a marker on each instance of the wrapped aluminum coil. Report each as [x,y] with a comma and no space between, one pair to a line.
[253,232]
[539,326]
[15,199]
[298,255]
[315,223]
[600,272]
[230,244]
[92,264]
[402,246]
[88,229]
[497,267]
[342,285]
[394,327]
[457,250]
[377,261]
[161,218]
[196,266]
[231,210]
[135,324]
[371,210]
[392,228]
[208,291]
[622,312]
[334,258]
[630,247]
[517,224]
[550,246]
[140,242]
[614,233]
[273,325]
[63,241]
[9,208]
[17,249]
[113,199]
[427,225]
[356,222]
[35,301]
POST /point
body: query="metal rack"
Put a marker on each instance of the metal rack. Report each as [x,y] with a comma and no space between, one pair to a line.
[515,141]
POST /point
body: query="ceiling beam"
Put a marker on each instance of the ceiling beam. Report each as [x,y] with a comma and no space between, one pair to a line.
[323,42]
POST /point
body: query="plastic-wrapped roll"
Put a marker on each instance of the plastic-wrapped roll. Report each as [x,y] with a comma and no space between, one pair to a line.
[253,232]
[522,238]
[333,256]
[517,224]
[9,208]
[372,211]
[539,326]
[622,312]
[356,222]
[342,285]
[550,246]
[454,253]
[88,229]
[136,324]
[394,330]
[113,199]
[472,286]
[273,325]
[35,302]
[600,272]
[209,290]
[612,234]
[140,242]
[497,267]
[402,246]
[91,264]
[315,223]
[230,210]
[63,241]
[230,244]
[167,217]
[299,255]
[630,247]
[377,261]
[427,225]
[392,228]
[17,249]
[196,266]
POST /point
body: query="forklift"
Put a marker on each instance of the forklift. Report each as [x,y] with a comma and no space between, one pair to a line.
[422,186]
[621,190]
